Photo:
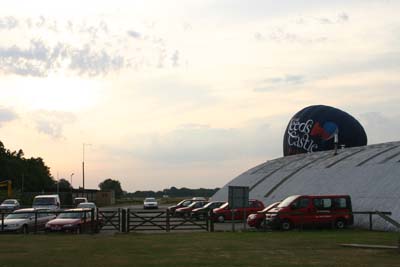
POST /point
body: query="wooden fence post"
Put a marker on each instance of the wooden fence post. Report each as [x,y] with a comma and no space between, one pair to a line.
[123,218]
[128,220]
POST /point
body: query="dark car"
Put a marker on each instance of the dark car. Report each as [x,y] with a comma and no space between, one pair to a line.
[185,211]
[225,212]
[183,203]
[201,213]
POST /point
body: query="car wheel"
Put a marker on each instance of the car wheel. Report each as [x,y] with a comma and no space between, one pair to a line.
[221,218]
[259,225]
[286,225]
[78,230]
[340,224]
[25,229]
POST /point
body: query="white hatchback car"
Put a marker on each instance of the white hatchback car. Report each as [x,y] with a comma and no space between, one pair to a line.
[150,203]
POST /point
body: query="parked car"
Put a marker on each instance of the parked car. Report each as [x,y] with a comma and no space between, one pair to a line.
[225,212]
[185,211]
[150,203]
[79,200]
[23,220]
[51,202]
[88,205]
[200,213]
[183,203]
[315,210]
[9,205]
[256,219]
[72,220]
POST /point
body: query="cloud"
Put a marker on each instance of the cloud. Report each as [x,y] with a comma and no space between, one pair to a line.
[280,35]
[192,143]
[38,59]
[8,23]
[379,127]
[134,34]
[343,17]
[52,123]
[93,63]
[302,30]
[175,58]
[82,48]
[273,83]
[7,115]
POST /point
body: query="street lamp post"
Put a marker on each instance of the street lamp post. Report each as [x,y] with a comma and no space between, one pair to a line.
[83,166]
[72,174]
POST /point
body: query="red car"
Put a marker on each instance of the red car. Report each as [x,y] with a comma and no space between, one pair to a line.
[225,213]
[72,220]
[301,210]
[256,219]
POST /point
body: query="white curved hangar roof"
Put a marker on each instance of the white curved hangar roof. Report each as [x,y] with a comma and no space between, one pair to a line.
[369,174]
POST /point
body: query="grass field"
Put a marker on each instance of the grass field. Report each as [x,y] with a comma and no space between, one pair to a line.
[295,248]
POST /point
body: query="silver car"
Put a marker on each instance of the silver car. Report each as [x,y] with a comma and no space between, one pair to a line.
[23,220]
[150,203]
[9,205]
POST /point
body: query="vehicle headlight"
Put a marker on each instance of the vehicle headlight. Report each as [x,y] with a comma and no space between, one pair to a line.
[252,216]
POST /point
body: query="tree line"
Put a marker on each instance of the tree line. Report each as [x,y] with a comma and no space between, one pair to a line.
[33,175]
[174,192]
[27,174]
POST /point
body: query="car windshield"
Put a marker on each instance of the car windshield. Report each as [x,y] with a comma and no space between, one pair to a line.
[70,215]
[286,202]
[185,203]
[194,204]
[44,201]
[8,202]
[150,199]
[20,215]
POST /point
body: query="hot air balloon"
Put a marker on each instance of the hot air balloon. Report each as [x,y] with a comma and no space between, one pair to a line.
[313,129]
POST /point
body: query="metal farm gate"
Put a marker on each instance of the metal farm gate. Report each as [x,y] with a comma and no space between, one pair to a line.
[109,220]
[163,221]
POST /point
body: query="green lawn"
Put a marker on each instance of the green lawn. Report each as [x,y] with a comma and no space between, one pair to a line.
[307,248]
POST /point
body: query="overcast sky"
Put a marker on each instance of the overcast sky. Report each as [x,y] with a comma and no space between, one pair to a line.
[187,93]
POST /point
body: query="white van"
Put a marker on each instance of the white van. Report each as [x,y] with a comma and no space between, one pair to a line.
[51,202]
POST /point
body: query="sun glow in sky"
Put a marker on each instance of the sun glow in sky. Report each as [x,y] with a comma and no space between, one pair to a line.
[188,93]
